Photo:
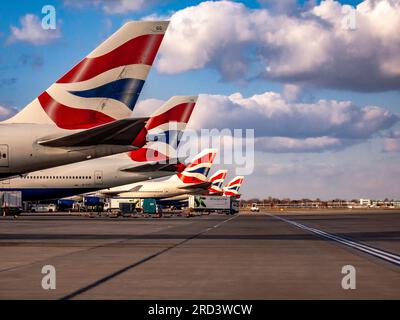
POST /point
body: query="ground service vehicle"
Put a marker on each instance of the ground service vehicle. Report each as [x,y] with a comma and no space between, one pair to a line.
[10,202]
[123,205]
[115,204]
[218,204]
[51,207]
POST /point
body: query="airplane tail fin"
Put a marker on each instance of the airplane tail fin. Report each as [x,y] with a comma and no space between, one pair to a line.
[197,170]
[217,179]
[232,188]
[164,130]
[104,86]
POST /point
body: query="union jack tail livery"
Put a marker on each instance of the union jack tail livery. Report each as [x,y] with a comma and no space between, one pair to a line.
[217,179]
[164,130]
[197,170]
[232,188]
[104,86]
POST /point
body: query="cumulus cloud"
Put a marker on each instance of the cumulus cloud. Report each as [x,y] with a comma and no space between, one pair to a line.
[313,46]
[144,108]
[212,33]
[284,126]
[270,114]
[31,31]
[6,112]
[292,92]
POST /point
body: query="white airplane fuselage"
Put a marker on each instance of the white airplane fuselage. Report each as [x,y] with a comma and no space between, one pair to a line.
[151,189]
[20,151]
[79,178]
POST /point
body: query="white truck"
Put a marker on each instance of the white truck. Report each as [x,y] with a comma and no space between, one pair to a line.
[123,205]
[10,202]
[114,204]
[219,204]
[38,208]
[254,207]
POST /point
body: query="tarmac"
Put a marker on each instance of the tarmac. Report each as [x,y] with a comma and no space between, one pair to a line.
[267,255]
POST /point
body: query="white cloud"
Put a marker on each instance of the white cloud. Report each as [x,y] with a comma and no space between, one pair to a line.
[210,33]
[144,108]
[284,126]
[270,114]
[31,31]
[310,47]
[292,92]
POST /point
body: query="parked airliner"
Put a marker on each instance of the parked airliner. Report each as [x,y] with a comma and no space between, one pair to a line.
[215,189]
[217,179]
[85,113]
[232,188]
[157,159]
[192,179]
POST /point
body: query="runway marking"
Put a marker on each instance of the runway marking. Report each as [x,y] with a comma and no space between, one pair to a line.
[387,256]
[135,264]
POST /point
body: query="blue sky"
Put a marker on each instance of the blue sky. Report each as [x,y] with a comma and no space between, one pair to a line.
[365,168]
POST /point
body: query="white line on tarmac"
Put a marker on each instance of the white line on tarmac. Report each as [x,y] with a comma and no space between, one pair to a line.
[395,259]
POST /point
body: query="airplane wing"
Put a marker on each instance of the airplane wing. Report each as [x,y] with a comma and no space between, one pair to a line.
[110,193]
[119,132]
[203,185]
[173,165]
[117,192]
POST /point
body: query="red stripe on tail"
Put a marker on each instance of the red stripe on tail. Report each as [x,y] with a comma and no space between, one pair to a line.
[219,176]
[207,158]
[146,154]
[71,118]
[179,113]
[237,181]
[140,50]
[188,179]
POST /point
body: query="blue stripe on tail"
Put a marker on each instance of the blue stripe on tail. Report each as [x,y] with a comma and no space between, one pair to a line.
[171,137]
[236,188]
[218,184]
[201,170]
[198,170]
[124,90]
